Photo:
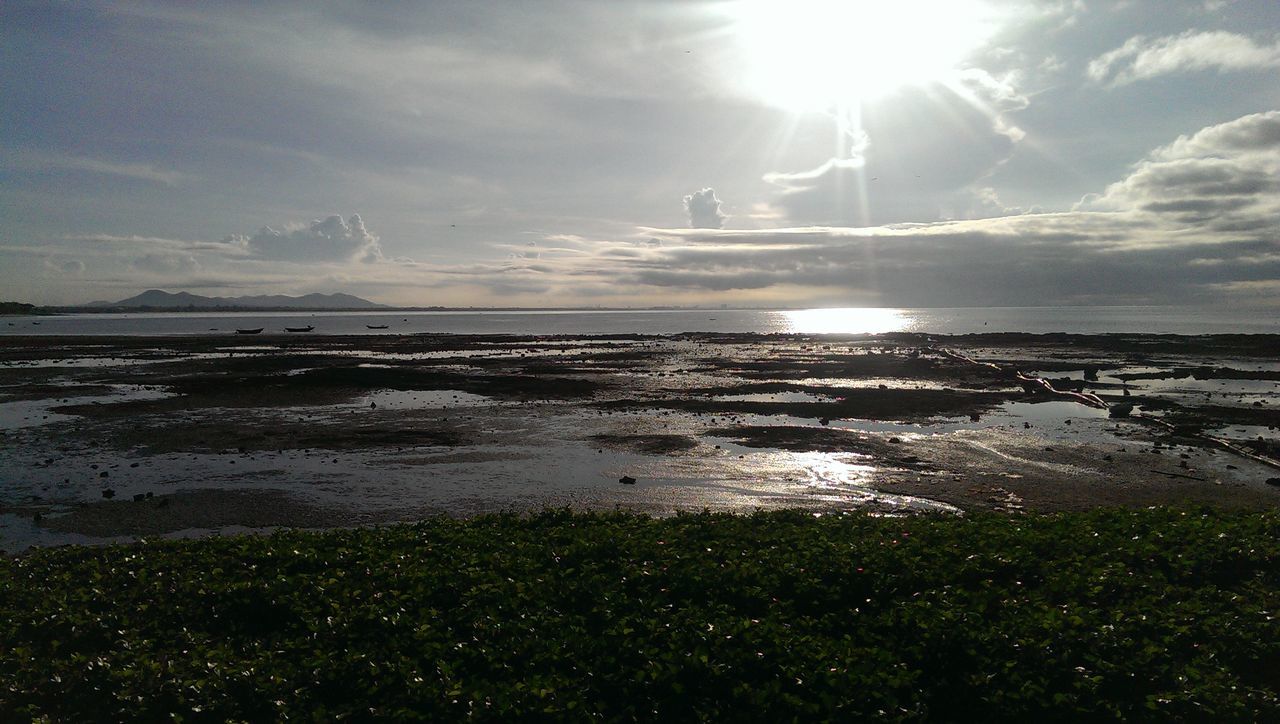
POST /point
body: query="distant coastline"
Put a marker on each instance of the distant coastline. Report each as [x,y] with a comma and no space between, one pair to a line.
[380,308]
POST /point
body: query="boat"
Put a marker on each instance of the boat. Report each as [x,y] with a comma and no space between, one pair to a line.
[376,326]
[307,328]
[248,331]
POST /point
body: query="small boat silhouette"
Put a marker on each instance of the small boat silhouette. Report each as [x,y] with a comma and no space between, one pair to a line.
[307,328]
[249,331]
[376,326]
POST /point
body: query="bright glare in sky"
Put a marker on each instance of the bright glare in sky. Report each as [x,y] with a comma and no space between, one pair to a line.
[817,55]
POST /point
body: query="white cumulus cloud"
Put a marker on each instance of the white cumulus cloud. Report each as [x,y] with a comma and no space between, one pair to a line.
[1141,58]
[704,209]
[328,239]
[1224,177]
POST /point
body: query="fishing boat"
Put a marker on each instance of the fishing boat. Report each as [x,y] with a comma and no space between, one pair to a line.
[249,331]
[307,328]
[376,326]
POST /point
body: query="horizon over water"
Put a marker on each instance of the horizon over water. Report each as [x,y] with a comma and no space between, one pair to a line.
[846,320]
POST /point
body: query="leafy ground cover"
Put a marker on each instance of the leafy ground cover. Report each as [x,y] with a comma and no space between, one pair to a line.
[1147,614]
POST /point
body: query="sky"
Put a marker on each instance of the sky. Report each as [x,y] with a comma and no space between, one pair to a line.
[643,153]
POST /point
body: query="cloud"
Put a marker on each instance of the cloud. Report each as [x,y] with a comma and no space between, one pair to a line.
[1032,260]
[167,264]
[1224,177]
[1192,222]
[704,209]
[1142,58]
[920,156]
[328,239]
[137,171]
[68,267]
[230,246]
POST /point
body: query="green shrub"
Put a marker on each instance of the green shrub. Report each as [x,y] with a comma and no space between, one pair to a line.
[1167,614]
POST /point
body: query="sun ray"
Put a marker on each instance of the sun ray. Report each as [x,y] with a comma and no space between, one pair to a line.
[815,55]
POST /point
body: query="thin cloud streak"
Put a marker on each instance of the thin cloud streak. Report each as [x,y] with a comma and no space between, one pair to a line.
[1142,58]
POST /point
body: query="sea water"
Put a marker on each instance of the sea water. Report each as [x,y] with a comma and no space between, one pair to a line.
[862,320]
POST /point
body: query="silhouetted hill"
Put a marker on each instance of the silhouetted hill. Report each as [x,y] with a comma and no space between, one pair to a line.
[17,308]
[158,299]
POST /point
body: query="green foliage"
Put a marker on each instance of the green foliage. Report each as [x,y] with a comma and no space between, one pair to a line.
[1164,614]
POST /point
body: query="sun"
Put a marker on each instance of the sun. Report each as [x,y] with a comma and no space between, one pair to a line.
[820,55]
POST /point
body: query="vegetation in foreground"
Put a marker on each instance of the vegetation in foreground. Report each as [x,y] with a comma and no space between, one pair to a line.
[1108,614]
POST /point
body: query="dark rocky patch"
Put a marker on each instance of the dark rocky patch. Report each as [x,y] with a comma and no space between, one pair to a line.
[50,391]
[1265,416]
[220,434]
[199,509]
[863,404]
[646,444]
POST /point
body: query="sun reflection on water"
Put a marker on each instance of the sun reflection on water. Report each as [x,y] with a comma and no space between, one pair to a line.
[848,320]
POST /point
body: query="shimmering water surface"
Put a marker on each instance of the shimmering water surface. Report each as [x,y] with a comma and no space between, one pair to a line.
[854,320]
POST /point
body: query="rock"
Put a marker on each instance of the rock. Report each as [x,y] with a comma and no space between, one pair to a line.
[895,440]
[824,421]
[627,480]
[1273,481]
[1120,410]
[103,474]
[108,493]
[139,497]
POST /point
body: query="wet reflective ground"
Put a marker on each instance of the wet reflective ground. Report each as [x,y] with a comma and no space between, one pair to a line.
[211,434]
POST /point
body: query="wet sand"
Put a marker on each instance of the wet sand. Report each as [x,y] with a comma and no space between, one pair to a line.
[321,431]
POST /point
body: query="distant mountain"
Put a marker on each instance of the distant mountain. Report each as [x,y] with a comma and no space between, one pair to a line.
[183,300]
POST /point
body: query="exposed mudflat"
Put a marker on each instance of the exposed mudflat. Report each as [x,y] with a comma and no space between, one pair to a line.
[281,430]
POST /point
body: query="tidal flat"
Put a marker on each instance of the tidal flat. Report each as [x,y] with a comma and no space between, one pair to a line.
[108,439]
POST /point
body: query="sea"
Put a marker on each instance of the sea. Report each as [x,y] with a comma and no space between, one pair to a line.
[847,320]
